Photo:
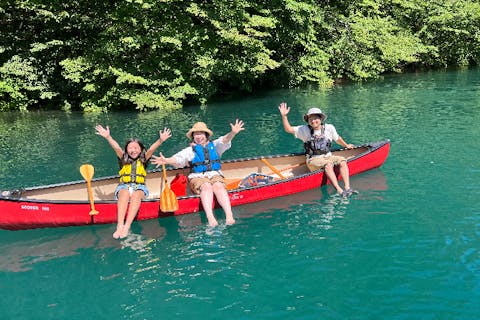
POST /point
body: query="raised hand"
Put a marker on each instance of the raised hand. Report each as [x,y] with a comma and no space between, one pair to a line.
[237,127]
[158,161]
[165,134]
[284,109]
[104,132]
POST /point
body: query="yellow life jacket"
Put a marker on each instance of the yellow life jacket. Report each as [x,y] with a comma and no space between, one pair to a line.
[133,173]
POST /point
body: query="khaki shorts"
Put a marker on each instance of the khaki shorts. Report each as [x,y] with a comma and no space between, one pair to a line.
[316,163]
[196,183]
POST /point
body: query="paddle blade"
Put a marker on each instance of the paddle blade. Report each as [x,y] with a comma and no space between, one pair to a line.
[233,184]
[168,200]
[87,171]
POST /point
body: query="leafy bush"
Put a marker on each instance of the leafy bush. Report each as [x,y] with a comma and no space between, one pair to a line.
[157,54]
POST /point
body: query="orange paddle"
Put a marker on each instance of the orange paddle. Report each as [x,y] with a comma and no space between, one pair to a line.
[87,172]
[168,199]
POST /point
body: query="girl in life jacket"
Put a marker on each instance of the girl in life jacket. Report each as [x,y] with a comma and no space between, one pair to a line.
[132,170]
[133,160]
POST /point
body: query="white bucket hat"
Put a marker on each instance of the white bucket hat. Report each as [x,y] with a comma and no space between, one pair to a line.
[315,111]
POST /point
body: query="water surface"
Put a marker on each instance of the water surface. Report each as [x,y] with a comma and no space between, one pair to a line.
[406,247]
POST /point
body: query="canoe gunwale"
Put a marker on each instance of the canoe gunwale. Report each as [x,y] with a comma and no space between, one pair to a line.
[370,148]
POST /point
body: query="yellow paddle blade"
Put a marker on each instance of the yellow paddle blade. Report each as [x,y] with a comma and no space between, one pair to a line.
[87,171]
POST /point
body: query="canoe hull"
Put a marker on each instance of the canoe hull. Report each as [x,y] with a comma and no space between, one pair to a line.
[19,214]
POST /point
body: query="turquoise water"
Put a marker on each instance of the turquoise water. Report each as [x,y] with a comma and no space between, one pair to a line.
[406,247]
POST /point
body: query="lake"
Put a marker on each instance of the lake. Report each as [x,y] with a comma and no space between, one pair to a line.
[406,247]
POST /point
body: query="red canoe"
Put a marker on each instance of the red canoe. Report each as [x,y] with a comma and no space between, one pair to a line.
[67,204]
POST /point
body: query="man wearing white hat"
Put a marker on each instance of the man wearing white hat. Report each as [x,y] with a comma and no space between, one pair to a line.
[317,137]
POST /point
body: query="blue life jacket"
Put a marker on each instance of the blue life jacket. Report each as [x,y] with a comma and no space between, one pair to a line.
[206,158]
[317,145]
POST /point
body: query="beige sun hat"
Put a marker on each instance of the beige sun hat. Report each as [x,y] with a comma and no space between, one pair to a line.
[315,111]
[199,126]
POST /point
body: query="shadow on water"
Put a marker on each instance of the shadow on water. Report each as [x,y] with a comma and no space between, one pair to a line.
[23,249]
[365,183]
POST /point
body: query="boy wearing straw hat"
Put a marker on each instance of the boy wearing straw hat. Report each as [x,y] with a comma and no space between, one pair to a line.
[317,137]
[203,156]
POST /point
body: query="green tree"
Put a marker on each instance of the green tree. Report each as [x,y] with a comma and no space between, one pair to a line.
[453,27]
[158,54]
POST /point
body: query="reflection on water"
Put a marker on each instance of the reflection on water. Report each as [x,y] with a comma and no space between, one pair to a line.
[196,253]
[41,245]
[136,242]
[310,255]
[35,246]
[366,183]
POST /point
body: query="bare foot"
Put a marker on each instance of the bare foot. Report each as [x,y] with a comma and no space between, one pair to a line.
[124,232]
[230,221]
[212,222]
[117,232]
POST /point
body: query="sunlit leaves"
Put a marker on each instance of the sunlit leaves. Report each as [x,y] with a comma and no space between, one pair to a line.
[22,85]
[155,54]
[454,28]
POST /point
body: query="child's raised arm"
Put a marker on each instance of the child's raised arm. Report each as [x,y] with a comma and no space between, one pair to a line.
[105,132]
[164,135]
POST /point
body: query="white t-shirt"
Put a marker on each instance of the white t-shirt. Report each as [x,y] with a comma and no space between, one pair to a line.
[183,157]
[303,133]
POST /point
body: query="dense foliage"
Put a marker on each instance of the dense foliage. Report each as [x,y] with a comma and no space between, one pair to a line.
[150,54]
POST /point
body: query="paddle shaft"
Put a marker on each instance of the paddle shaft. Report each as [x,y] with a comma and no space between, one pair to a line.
[90,197]
[164,173]
[275,170]
[288,168]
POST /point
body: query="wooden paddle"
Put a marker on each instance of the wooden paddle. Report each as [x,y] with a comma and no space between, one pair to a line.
[168,199]
[87,172]
[275,170]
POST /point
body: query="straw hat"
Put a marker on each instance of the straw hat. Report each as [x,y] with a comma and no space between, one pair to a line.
[315,111]
[199,126]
